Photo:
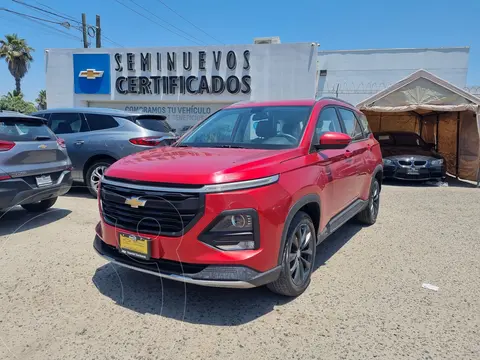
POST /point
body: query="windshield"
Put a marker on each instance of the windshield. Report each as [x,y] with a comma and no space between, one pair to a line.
[400,139]
[270,127]
[24,130]
[154,124]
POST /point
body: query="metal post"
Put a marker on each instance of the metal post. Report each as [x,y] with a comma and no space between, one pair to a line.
[98,32]
[458,145]
[84,30]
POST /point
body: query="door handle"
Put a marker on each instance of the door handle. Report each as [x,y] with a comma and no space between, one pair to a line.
[348,154]
[79,142]
[369,147]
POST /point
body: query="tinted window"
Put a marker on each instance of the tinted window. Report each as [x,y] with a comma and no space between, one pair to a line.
[21,130]
[400,139]
[154,124]
[100,122]
[252,127]
[66,123]
[327,121]
[364,121]
[352,126]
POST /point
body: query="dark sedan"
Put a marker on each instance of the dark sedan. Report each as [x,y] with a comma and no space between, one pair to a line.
[407,156]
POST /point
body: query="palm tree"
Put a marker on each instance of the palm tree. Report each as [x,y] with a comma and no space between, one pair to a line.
[41,100]
[17,54]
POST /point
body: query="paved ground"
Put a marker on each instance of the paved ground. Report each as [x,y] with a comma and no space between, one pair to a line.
[60,301]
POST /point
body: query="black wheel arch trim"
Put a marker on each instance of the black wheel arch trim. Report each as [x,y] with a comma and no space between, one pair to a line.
[307,199]
[378,168]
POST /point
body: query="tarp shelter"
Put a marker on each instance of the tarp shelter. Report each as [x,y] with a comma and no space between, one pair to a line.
[441,113]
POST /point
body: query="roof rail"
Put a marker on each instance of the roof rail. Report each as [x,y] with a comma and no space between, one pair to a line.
[334,98]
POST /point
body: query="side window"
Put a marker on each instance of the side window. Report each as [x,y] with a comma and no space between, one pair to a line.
[327,121]
[100,122]
[364,122]
[352,126]
[66,123]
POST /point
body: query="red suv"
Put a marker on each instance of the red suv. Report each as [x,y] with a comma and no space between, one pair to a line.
[244,197]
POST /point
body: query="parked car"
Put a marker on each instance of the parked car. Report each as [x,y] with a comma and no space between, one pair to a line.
[96,138]
[184,129]
[243,199]
[34,165]
[407,156]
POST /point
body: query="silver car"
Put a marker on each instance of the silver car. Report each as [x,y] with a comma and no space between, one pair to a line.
[34,165]
[96,138]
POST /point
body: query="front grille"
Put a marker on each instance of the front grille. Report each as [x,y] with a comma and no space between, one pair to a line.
[419,163]
[404,162]
[164,212]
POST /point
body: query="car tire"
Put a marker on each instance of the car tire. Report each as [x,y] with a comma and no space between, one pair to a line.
[94,174]
[40,206]
[298,257]
[368,216]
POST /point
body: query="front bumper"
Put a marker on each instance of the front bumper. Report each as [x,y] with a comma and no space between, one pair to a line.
[17,191]
[422,174]
[228,276]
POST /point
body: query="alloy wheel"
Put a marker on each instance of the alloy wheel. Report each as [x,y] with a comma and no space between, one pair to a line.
[300,255]
[375,199]
[96,176]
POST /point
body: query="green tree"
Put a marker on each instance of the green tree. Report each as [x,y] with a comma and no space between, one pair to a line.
[18,56]
[41,99]
[14,101]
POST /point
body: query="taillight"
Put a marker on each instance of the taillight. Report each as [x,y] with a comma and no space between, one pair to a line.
[4,177]
[146,141]
[61,143]
[6,145]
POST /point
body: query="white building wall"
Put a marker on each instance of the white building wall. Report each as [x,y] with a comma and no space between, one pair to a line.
[279,71]
[355,75]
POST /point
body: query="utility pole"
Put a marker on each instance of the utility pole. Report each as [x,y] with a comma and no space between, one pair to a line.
[84,30]
[98,32]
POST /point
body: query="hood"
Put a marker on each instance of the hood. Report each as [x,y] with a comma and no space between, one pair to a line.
[200,165]
[393,152]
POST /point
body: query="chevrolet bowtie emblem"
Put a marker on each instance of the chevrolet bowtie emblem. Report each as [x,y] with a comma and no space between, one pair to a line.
[42,146]
[91,74]
[135,202]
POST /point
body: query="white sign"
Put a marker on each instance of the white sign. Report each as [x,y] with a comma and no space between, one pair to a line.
[176,113]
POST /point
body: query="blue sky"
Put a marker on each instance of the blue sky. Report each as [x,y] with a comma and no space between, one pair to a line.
[336,25]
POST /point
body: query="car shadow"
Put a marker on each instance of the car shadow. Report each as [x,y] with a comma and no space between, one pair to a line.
[450,181]
[144,293]
[18,220]
[79,191]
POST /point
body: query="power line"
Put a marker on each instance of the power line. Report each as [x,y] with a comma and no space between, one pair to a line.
[198,28]
[166,22]
[45,11]
[156,22]
[50,27]
[64,24]
[68,17]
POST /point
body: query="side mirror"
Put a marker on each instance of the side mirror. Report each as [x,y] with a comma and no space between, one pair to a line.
[333,140]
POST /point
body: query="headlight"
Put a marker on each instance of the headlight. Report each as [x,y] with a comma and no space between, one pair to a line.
[233,230]
[436,162]
[387,162]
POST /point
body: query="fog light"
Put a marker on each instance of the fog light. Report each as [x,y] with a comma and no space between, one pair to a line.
[242,245]
[236,222]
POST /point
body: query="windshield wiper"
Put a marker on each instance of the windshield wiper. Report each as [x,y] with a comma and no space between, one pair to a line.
[42,137]
[228,146]
[182,145]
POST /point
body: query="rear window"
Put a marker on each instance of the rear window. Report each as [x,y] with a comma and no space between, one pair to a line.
[154,124]
[24,130]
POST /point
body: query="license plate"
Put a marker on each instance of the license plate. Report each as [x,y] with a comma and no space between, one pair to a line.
[133,245]
[44,180]
[413,172]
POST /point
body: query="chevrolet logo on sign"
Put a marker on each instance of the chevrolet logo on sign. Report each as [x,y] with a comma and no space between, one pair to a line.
[91,74]
[135,202]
